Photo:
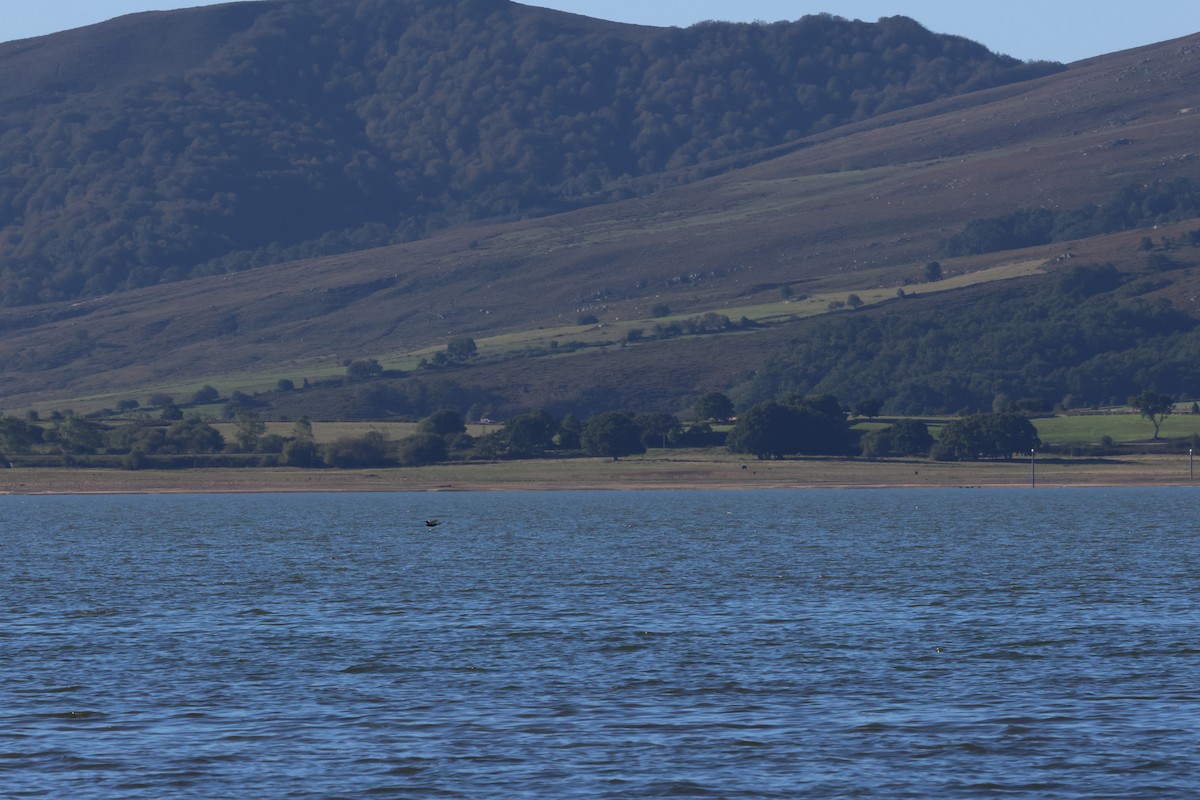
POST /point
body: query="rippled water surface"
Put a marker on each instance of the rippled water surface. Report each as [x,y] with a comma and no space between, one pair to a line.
[602,645]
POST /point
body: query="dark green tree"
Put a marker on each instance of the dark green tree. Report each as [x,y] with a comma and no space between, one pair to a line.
[420,449]
[612,434]
[659,429]
[907,437]
[363,370]
[301,450]
[986,436]
[369,450]
[78,436]
[204,395]
[570,432]
[17,435]
[192,435]
[714,407]
[824,404]
[461,350]
[811,425]
[529,434]
[445,422]
[1154,406]
[767,430]
[868,408]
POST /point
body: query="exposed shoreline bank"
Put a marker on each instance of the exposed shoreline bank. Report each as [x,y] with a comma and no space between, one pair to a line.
[643,473]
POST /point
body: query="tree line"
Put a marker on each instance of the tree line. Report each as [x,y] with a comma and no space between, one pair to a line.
[1133,206]
[814,425]
[1084,336]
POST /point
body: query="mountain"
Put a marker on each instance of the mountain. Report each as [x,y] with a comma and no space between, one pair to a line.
[165,146]
[605,306]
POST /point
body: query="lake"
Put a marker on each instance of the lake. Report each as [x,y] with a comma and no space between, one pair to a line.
[562,645]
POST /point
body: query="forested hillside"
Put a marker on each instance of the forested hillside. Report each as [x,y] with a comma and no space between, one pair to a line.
[1089,336]
[165,146]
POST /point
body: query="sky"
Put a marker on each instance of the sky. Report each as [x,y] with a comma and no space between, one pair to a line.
[1052,30]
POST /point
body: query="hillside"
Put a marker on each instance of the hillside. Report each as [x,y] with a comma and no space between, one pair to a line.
[165,146]
[862,208]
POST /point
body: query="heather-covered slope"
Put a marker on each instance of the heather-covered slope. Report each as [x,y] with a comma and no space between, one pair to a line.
[171,145]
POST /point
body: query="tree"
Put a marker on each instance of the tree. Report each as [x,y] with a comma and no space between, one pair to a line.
[767,430]
[933,272]
[204,395]
[907,437]
[570,433]
[302,430]
[529,434]
[823,404]
[299,454]
[461,350]
[868,408]
[658,429]
[301,451]
[17,435]
[140,436]
[1154,406]
[160,400]
[421,448]
[191,435]
[364,370]
[368,450]
[806,425]
[249,428]
[713,406]
[986,436]
[444,422]
[78,436]
[128,404]
[612,434]
[855,302]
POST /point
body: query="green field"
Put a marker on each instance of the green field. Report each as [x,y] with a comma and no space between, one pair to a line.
[1085,429]
[1119,427]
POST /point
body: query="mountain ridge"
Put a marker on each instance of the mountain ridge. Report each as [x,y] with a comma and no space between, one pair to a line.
[233,136]
[863,206]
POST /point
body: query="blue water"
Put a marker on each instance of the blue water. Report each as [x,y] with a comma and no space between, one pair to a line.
[883,644]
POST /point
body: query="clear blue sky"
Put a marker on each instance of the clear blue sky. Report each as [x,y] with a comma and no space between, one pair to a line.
[1056,30]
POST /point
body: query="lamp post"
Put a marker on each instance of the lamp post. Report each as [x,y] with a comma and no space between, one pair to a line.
[1032,469]
[1191,463]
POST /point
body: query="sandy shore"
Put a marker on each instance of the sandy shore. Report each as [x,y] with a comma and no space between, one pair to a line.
[647,472]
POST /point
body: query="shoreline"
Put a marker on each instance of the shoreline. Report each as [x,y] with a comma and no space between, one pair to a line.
[656,472]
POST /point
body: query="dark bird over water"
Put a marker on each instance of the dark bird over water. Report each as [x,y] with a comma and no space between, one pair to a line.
[432,523]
